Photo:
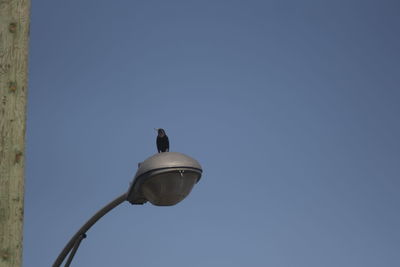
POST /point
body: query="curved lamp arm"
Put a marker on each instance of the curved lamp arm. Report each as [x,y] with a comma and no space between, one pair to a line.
[87,226]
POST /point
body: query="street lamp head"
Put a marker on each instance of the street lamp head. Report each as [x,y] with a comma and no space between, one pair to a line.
[164,179]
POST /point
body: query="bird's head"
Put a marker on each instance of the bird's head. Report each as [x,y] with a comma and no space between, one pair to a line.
[161,132]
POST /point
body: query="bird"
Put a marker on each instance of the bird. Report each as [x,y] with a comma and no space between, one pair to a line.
[162,141]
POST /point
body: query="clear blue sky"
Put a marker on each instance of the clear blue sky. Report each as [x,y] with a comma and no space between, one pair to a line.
[291,107]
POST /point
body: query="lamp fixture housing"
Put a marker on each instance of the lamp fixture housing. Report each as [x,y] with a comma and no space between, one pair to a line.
[164,179]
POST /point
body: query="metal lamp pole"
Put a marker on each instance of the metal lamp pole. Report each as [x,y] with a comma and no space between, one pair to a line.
[82,232]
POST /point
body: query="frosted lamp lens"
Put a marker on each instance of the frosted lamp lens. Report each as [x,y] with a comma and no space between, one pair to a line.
[167,189]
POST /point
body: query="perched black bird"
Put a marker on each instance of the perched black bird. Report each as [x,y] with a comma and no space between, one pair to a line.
[162,141]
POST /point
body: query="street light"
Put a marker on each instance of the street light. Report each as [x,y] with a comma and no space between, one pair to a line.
[164,179]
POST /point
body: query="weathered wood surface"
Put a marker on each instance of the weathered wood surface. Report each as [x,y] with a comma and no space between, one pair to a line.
[14,37]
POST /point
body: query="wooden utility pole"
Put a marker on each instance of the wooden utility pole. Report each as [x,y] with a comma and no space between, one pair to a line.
[14,37]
